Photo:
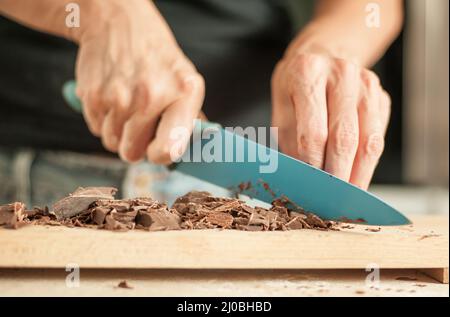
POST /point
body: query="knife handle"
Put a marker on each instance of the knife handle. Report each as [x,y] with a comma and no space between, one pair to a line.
[70,96]
[69,93]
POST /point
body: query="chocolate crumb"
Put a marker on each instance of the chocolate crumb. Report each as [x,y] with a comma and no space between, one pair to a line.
[374,229]
[124,284]
[355,221]
[426,236]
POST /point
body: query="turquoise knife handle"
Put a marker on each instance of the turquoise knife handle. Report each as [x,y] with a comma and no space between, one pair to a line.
[68,92]
[70,87]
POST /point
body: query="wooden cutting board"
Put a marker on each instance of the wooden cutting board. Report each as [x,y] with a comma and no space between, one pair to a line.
[424,245]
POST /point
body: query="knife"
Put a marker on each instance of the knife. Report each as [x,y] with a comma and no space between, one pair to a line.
[304,185]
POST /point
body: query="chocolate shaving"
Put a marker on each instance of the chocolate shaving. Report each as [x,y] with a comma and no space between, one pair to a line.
[426,236]
[374,229]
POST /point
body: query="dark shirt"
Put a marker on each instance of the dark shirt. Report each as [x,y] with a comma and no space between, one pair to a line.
[234,45]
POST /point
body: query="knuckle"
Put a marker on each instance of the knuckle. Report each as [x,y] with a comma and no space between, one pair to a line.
[161,156]
[373,145]
[314,141]
[93,96]
[192,82]
[345,139]
[117,97]
[370,79]
[146,90]
[109,144]
[346,69]
[306,64]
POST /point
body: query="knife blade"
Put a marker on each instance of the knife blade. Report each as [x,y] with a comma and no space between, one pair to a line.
[304,185]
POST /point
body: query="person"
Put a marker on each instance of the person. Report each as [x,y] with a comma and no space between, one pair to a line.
[144,67]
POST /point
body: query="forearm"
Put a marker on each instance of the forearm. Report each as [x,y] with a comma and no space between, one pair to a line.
[44,15]
[50,15]
[340,29]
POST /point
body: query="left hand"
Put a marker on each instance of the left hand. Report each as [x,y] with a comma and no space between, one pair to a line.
[330,113]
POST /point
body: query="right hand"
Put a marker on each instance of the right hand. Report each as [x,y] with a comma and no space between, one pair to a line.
[135,82]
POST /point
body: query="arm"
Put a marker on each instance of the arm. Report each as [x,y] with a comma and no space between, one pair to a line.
[135,83]
[47,15]
[330,109]
[339,28]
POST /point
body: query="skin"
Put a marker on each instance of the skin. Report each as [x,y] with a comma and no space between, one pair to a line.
[330,109]
[136,84]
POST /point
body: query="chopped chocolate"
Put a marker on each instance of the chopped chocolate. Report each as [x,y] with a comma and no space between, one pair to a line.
[99,214]
[267,188]
[156,220]
[124,284]
[80,200]
[220,219]
[113,224]
[373,229]
[97,208]
[257,219]
[12,215]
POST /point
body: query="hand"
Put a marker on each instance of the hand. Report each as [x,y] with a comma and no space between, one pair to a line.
[135,82]
[331,114]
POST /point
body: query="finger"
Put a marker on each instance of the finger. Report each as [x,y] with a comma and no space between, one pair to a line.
[283,114]
[118,98]
[372,124]
[94,110]
[385,109]
[343,124]
[89,89]
[140,127]
[180,116]
[307,88]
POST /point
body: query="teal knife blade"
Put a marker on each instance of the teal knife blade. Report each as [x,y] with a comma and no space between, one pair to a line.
[306,186]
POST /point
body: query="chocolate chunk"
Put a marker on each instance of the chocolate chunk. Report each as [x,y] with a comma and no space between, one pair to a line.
[222,220]
[126,217]
[113,224]
[12,215]
[99,214]
[156,220]
[257,219]
[80,200]
[228,206]
[297,223]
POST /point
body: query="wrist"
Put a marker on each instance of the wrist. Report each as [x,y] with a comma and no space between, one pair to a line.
[318,40]
[97,16]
